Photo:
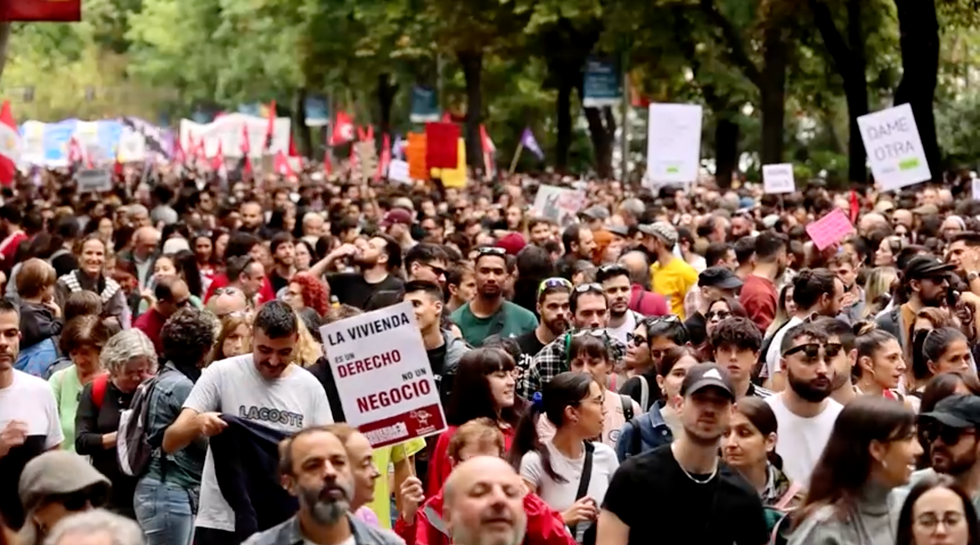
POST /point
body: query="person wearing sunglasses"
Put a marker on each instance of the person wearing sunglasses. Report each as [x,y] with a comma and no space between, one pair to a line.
[949,435]
[713,283]
[53,486]
[427,262]
[803,410]
[490,313]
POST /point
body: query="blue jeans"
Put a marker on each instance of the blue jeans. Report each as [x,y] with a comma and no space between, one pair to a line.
[165,512]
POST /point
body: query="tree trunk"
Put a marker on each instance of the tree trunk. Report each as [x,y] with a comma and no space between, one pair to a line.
[386,92]
[919,39]
[772,93]
[602,128]
[850,63]
[304,138]
[4,39]
[726,150]
[472,63]
[564,115]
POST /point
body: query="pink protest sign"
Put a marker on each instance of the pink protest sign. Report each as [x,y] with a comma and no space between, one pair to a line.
[829,229]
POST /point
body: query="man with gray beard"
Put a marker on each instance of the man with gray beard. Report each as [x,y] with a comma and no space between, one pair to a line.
[315,469]
[484,503]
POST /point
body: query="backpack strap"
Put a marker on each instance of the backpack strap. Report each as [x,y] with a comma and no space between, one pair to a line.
[99,386]
[644,393]
[627,403]
[787,498]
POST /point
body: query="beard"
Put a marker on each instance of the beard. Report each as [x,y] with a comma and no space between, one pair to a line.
[476,536]
[936,301]
[814,391]
[325,508]
[951,465]
[556,326]
[365,260]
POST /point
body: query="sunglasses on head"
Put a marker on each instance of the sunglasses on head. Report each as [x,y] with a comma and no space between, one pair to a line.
[812,350]
[585,288]
[491,250]
[552,283]
[613,267]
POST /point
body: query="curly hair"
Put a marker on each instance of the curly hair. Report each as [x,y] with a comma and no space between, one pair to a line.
[188,335]
[316,294]
[123,347]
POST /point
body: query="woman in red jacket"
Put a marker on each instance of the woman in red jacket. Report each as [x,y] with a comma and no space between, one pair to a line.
[483,388]
[423,524]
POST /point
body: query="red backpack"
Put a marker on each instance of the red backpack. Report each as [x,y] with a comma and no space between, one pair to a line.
[99,385]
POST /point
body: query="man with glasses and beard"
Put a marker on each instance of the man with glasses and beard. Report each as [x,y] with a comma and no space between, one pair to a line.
[804,411]
[925,283]
[615,281]
[316,469]
[689,495]
[949,432]
[553,295]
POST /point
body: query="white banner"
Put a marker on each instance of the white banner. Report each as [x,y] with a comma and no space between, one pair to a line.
[383,376]
[559,204]
[673,144]
[895,152]
[778,178]
[227,129]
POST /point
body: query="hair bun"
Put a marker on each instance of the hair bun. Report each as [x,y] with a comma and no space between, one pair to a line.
[864,327]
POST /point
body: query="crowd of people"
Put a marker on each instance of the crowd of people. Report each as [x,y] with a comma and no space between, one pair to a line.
[678,366]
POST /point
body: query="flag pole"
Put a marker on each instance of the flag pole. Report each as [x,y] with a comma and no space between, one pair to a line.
[517,155]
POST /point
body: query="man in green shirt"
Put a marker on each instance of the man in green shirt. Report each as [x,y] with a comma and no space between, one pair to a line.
[489,313]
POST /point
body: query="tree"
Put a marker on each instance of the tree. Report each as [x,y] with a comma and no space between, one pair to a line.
[920,63]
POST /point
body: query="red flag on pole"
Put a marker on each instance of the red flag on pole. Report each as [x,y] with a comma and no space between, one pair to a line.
[385,157]
[281,165]
[218,161]
[246,151]
[270,129]
[9,145]
[855,207]
[343,129]
[41,10]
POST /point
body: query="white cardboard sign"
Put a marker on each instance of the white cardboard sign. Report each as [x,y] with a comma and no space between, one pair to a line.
[94,179]
[778,178]
[894,148]
[383,376]
[673,144]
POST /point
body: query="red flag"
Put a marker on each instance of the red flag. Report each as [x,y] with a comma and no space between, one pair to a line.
[246,151]
[366,135]
[270,129]
[9,145]
[117,169]
[855,207]
[343,129]
[488,150]
[385,157]
[281,165]
[442,145]
[218,161]
[292,147]
[41,10]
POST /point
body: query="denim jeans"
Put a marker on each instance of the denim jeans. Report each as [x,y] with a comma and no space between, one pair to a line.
[165,512]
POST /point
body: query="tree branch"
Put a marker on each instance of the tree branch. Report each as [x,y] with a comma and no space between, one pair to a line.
[832,37]
[736,49]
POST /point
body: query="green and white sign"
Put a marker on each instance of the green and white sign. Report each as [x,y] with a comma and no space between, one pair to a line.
[894,148]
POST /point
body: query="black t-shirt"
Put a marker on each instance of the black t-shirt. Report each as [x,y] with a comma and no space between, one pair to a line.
[530,346]
[351,288]
[634,389]
[652,495]
[277,282]
[695,325]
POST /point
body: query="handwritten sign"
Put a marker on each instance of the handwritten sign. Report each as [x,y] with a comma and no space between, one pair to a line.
[382,372]
[398,172]
[778,178]
[94,179]
[830,229]
[559,204]
[894,148]
[673,144]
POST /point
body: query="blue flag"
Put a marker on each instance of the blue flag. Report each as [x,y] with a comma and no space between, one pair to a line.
[528,141]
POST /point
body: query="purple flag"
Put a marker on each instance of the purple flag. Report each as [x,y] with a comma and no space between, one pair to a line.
[528,141]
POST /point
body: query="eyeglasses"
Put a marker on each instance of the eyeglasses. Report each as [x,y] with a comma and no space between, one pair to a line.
[933,431]
[930,521]
[591,286]
[720,314]
[438,271]
[553,283]
[638,341]
[812,350]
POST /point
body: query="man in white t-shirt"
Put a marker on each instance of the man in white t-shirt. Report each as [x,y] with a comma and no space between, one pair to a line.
[805,414]
[615,281]
[29,423]
[263,386]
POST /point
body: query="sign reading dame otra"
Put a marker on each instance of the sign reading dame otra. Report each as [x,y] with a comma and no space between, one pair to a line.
[895,151]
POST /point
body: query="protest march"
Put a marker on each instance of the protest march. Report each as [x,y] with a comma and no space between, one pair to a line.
[685,284]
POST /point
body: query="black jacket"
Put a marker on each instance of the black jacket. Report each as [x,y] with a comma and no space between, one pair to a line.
[246,466]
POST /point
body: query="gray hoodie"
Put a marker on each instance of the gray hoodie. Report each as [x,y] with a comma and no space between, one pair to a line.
[872,521]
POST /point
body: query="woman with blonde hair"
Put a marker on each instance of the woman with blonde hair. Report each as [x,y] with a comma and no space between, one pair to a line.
[878,290]
[235,337]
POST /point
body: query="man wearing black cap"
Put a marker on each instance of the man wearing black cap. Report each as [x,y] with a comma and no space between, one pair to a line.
[950,431]
[713,283]
[925,283]
[689,495]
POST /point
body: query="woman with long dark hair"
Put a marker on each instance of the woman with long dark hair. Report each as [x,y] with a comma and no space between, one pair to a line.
[555,469]
[936,512]
[482,388]
[870,452]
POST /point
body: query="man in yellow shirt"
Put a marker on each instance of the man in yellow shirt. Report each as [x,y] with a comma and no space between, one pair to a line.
[670,276]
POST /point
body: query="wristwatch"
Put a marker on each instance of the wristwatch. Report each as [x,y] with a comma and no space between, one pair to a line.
[971,276]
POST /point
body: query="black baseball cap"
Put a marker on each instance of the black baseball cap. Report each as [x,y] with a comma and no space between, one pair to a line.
[707,375]
[925,266]
[956,411]
[719,277]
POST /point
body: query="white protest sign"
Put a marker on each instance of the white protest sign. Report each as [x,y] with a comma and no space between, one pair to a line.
[895,152]
[94,179]
[382,372]
[673,144]
[778,178]
[398,171]
[975,184]
[559,204]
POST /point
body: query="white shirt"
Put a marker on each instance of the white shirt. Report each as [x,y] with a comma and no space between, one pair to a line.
[624,332]
[775,354]
[801,440]
[30,400]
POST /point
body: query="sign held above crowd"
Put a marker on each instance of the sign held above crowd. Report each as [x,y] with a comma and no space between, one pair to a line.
[673,144]
[894,148]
